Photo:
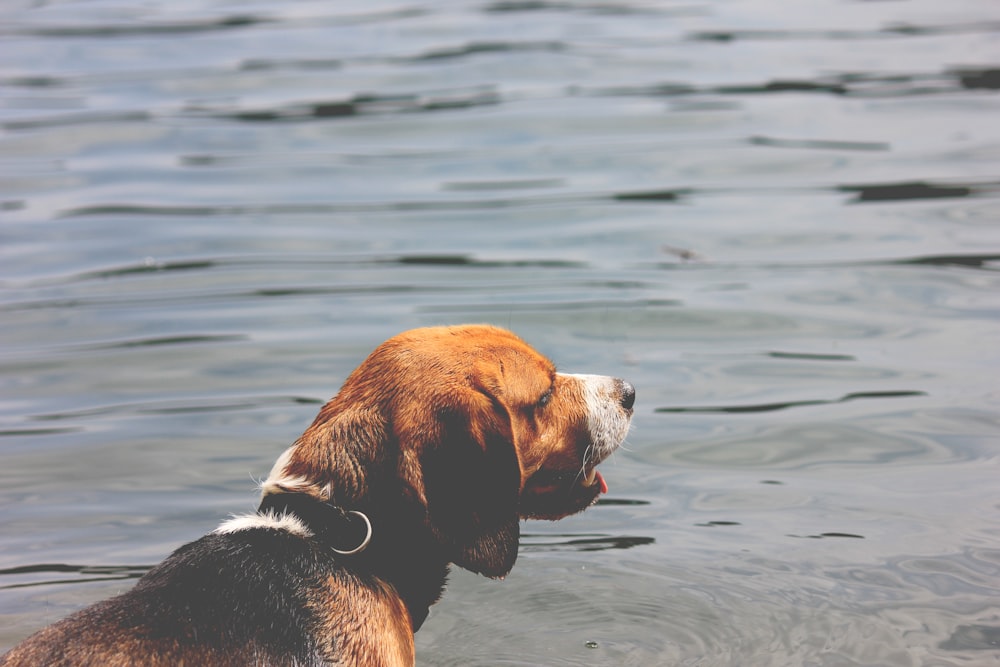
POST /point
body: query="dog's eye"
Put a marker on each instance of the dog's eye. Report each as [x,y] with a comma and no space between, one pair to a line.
[544,400]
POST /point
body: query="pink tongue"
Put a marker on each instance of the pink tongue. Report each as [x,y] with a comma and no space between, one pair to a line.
[604,485]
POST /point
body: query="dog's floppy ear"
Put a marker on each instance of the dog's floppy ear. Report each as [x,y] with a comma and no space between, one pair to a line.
[333,459]
[471,478]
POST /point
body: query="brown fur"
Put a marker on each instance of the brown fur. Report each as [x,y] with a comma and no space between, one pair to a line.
[372,621]
[445,438]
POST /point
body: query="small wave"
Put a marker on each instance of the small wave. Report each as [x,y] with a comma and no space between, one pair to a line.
[909,190]
[772,407]
[477,48]
[532,542]
[895,29]
[172,407]
[144,28]
[87,573]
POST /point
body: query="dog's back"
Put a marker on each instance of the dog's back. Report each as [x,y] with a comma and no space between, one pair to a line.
[259,596]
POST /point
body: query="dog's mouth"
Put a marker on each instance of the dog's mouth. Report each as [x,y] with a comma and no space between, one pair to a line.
[553,494]
[589,477]
[594,478]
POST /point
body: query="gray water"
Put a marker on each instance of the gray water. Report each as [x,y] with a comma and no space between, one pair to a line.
[780,221]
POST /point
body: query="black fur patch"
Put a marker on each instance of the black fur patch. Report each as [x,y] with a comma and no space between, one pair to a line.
[242,589]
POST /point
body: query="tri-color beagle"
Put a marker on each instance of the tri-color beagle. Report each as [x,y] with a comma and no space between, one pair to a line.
[432,452]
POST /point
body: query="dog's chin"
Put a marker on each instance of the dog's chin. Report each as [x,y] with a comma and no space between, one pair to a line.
[552,494]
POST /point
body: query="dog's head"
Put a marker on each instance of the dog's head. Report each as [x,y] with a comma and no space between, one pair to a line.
[470,424]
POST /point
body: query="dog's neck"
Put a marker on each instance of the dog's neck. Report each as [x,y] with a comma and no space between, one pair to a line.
[408,559]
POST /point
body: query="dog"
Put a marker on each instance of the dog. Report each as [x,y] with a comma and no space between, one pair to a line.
[434,449]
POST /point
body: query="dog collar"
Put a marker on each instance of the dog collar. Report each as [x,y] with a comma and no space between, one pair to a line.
[338,527]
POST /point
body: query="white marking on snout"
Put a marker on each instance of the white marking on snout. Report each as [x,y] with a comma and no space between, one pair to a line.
[607,420]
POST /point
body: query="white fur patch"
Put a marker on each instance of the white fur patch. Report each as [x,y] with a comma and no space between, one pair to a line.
[278,480]
[607,421]
[287,522]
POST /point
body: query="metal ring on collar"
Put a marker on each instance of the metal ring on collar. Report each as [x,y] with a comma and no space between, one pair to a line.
[364,543]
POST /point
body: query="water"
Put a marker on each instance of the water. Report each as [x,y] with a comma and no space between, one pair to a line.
[779,221]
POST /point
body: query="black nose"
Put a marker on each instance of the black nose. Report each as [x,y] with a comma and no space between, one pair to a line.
[628,395]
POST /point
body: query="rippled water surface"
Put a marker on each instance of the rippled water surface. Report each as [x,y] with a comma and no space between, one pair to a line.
[780,221]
